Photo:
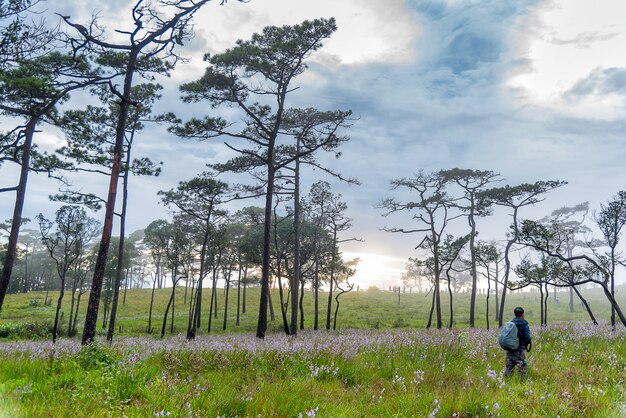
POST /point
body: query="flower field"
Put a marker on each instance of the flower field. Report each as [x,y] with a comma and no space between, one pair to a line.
[575,370]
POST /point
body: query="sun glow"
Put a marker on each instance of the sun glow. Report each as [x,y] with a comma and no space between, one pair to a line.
[376,269]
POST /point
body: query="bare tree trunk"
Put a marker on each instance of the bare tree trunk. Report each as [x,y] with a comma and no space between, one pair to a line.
[283,307]
[545,309]
[267,233]
[488,293]
[167,310]
[541,304]
[507,269]
[432,309]
[89,332]
[271,306]
[295,279]
[120,250]
[227,285]
[80,294]
[154,282]
[58,310]
[316,297]
[238,293]
[16,222]
[496,278]
[72,304]
[614,304]
[243,302]
[451,307]
[301,304]
[173,305]
[584,301]
[329,305]
[125,287]
[213,298]
[472,246]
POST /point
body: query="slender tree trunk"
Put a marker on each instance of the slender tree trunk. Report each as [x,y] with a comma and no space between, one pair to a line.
[120,251]
[72,303]
[213,298]
[316,297]
[186,288]
[584,301]
[271,306]
[488,293]
[74,323]
[267,233]
[89,332]
[336,312]
[16,222]
[432,309]
[612,284]
[243,302]
[227,286]
[154,282]
[107,304]
[497,293]
[55,329]
[194,317]
[167,310]
[329,305]
[507,268]
[451,307]
[541,304]
[472,246]
[613,302]
[283,305]
[172,322]
[125,287]
[332,279]
[295,279]
[301,304]
[238,293]
[545,309]
[215,291]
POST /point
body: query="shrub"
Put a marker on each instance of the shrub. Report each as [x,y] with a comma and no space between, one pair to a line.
[26,330]
[34,303]
[93,356]
[399,323]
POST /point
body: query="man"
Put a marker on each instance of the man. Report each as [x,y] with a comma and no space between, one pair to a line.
[518,357]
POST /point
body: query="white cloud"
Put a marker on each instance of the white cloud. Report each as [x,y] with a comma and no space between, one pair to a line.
[368,32]
[566,41]
[435,84]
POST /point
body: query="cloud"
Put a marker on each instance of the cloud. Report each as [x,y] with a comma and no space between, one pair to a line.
[531,89]
[601,81]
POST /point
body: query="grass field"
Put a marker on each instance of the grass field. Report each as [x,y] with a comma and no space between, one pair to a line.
[380,363]
[372,309]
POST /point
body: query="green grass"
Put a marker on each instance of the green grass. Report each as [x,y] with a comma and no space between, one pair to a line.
[369,309]
[575,371]
[381,362]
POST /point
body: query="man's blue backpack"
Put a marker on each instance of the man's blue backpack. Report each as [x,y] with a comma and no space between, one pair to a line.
[508,336]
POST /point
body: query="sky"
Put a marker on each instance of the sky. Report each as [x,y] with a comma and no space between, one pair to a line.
[533,90]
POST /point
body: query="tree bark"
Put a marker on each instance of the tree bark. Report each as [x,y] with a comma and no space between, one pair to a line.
[584,301]
[267,234]
[120,251]
[16,222]
[91,318]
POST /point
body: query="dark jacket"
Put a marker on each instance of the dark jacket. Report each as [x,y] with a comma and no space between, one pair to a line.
[523,332]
